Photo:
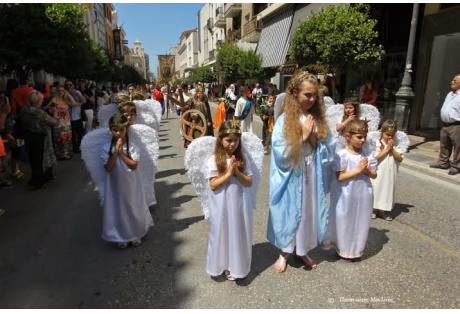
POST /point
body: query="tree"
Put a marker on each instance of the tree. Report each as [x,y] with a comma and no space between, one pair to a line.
[337,36]
[234,64]
[227,62]
[51,37]
[127,74]
[250,65]
[204,74]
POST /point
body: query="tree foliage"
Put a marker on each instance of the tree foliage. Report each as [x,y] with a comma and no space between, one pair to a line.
[227,62]
[204,74]
[234,64]
[51,37]
[250,65]
[337,35]
[126,74]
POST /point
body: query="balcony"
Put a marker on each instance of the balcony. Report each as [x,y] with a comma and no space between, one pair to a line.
[232,9]
[251,30]
[220,18]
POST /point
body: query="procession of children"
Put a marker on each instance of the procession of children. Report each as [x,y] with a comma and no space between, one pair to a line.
[331,171]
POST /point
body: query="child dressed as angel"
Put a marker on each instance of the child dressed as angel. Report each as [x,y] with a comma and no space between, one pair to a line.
[231,178]
[121,160]
[126,216]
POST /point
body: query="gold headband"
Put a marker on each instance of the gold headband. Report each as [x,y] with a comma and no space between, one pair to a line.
[199,89]
[359,129]
[233,129]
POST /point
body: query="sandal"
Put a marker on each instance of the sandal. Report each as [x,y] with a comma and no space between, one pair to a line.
[229,277]
[136,242]
[122,245]
[283,256]
[388,217]
[308,262]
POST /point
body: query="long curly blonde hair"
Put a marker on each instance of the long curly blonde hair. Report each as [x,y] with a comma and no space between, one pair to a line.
[292,128]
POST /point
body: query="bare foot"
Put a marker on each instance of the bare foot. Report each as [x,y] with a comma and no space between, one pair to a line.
[281,264]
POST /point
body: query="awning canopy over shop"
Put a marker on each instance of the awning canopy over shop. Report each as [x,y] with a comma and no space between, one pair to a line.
[274,38]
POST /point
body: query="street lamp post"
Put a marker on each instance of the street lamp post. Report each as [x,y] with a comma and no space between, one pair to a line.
[405,94]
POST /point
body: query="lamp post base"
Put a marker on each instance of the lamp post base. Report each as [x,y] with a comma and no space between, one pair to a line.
[404,99]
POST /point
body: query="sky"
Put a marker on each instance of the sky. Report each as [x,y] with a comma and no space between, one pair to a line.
[157,25]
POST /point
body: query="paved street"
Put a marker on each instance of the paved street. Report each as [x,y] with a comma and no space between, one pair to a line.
[52,256]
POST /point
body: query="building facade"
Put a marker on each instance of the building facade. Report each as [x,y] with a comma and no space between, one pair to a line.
[94,19]
[211,32]
[187,53]
[136,59]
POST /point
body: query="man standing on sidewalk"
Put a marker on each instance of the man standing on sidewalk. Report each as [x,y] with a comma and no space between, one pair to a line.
[450,132]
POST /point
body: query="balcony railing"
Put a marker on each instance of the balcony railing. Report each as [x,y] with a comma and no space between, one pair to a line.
[220,18]
[232,9]
[252,29]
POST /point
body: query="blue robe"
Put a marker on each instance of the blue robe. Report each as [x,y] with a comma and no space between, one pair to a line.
[285,189]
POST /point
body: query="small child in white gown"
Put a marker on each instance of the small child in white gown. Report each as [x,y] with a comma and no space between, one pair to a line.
[352,195]
[126,216]
[389,157]
[230,220]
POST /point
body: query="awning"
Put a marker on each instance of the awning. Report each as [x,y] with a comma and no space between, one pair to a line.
[274,38]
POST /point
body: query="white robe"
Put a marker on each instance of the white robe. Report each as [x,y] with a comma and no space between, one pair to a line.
[306,235]
[126,216]
[352,206]
[246,123]
[230,227]
[385,183]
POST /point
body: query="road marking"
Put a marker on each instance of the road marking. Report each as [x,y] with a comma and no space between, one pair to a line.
[422,236]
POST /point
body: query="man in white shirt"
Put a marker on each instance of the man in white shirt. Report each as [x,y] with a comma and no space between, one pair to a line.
[450,131]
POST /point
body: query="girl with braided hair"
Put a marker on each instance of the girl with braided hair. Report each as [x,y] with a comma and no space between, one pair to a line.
[126,216]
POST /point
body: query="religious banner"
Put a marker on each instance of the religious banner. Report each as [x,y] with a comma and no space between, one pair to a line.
[166,68]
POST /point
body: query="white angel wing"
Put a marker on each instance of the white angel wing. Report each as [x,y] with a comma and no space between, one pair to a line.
[146,114]
[253,152]
[197,153]
[334,115]
[371,114]
[372,139]
[328,101]
[145,139]
[105,113]
[402,141]
[156,107]
[91,150]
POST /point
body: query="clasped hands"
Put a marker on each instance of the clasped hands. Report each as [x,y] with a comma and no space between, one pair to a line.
[233,169]
[364,167]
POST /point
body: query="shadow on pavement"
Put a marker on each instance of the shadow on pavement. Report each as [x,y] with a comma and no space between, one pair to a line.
[167,156]
[170,172]
[400,208]
[263,256]
[375,242]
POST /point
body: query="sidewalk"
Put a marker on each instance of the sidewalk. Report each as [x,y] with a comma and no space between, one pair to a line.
[422,152]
